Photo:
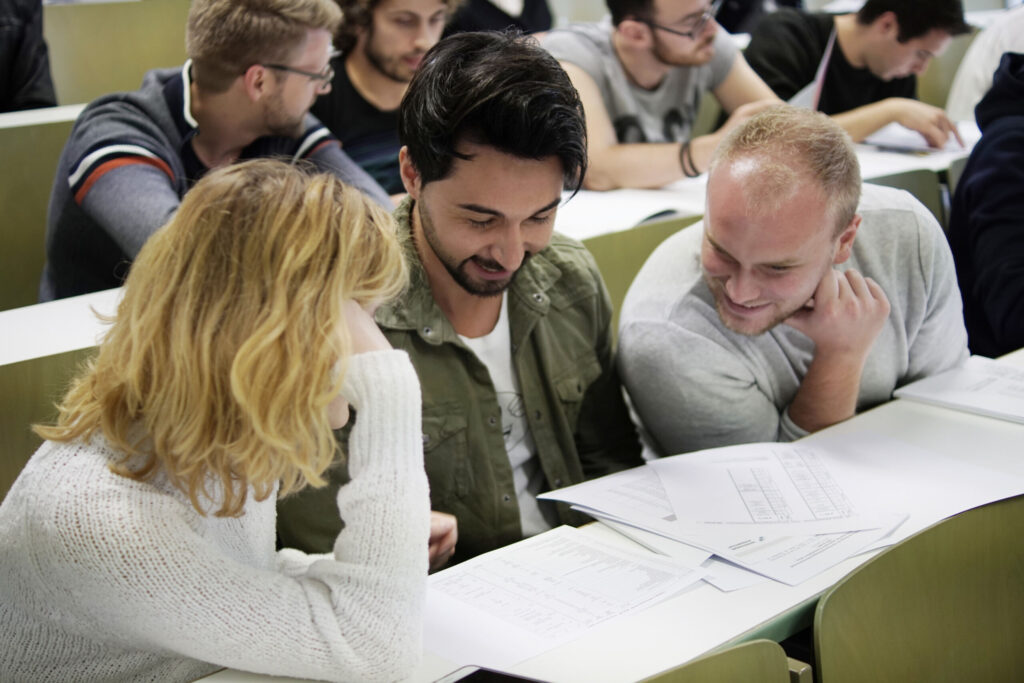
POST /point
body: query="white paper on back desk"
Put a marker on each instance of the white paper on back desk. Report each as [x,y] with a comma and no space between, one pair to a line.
[516,602]
[981,385]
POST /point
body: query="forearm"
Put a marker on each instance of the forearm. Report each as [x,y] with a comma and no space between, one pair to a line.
[863,121]
[828,392]
[638,165]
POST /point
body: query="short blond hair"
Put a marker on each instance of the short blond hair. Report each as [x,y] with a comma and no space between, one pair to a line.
[790,145]
[225,37]
[223,356]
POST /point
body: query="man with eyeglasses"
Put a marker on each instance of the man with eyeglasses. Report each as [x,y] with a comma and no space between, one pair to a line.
[255,69]
[641,79]
[381,44]
[860,68]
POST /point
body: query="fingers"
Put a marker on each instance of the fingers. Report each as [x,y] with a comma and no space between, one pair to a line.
[444,535]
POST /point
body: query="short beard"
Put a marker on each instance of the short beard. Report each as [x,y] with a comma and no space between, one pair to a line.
[458,270]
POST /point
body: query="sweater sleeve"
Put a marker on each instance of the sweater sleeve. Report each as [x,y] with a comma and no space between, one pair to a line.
[132,566]
[703,398]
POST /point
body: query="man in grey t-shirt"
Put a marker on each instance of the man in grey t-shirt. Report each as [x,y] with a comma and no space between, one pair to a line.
[799,302]
[641,78]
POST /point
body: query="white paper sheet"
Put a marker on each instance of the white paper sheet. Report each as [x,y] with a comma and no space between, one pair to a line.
[656,543]
[775,489]
[896,137]
[590,213]
[981,386]
[516,602]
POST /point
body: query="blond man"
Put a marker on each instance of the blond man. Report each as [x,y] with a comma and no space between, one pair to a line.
[799,301]
[255,69]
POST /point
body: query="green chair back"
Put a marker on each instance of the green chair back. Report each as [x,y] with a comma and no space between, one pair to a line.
[923,184]
[30,153]
[31,390]
[759,661]
[944,605]
[620,255]
[104,47]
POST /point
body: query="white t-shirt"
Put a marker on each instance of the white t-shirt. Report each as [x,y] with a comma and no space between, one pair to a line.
[494,350]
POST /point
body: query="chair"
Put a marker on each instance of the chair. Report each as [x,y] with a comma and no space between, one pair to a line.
[620,255]
[758,661]
[947,604]
[956,170]
[31,390]
[31,142]
[99,48]
[923,184]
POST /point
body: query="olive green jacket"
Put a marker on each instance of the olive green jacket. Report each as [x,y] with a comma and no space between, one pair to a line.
[560,319]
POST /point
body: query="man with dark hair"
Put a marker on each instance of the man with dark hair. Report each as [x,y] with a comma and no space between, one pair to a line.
[380,43]
[641,79]
[859,68]
[255,69]
[507,324]
[803,298]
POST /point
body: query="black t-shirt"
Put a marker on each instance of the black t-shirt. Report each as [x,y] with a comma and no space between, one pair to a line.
[786,48]
[368,135]
[481,15]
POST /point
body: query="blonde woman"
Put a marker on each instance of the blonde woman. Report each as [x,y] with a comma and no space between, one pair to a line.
[138,542]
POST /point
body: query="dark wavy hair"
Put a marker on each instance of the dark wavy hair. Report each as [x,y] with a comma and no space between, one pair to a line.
[917,17]
[497,89]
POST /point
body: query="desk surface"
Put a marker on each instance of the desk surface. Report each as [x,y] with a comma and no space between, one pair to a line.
[702,619]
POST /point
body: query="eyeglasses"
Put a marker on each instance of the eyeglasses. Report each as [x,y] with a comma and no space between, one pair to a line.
[324,77]
[698,25]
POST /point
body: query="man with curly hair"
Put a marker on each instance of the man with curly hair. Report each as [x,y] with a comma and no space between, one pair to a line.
[380,45]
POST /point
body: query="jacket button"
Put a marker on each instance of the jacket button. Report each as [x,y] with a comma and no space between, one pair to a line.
[507,498]
[537,414]
[426,439]
[538,298]
[491,421]
[428,330]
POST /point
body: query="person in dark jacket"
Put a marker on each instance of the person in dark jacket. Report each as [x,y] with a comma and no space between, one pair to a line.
[25,81]
[986,230]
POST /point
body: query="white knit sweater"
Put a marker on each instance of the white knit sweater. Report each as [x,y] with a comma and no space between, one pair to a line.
[106,578]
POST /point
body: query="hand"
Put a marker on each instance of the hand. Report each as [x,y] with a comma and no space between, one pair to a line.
[444,532]
[744,112]
[362,329]
[845,316]
[931,122]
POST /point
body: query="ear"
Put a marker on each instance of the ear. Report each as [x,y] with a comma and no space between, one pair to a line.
[257,82]
[635,32]
[410,176]
[887,25]
[844,243]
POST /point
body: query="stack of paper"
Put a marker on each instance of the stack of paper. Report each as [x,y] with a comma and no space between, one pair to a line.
[790,511]
[981,385]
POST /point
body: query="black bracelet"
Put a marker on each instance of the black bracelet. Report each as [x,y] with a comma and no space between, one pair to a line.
[686,161]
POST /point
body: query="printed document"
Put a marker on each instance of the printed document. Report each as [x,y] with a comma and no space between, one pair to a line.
[981,385]
[516,602]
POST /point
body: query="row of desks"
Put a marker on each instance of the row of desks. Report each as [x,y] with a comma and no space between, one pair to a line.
[703,619]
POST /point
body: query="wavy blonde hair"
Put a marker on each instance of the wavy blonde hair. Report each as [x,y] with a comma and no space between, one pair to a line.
[221,360]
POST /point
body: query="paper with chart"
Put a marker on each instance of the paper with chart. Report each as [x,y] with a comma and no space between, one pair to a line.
[521,600]
[766,489]
[981,385]
[637,497]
